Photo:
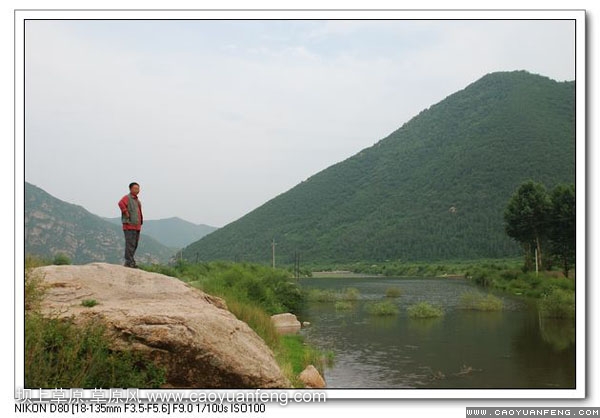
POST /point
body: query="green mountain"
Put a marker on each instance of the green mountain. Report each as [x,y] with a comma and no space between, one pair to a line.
[173,232]
[53,226]
[435,189]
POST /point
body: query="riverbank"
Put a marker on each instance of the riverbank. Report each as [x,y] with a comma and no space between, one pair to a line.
[342,273]
[253,293]
[552,291]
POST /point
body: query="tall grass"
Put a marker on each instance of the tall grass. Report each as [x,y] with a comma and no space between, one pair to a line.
[424,310]
[330,295]
[271,289]
[296,355]
[393,292]
[557,304]
[343,305]
[476,301]
[253,293]
[382,308]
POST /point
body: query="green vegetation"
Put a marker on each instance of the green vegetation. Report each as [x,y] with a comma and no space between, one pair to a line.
[393,292]
[478,302]
[558,303]
[330,295]
[59,353]
[382,308]
[296,355]
[350,293]
[253,293]
[272,290]
[518,283]
[435,189]
[89,303]
[561,232]
[424,310]
[61,259]
[541,221]
[343,305]
[322,295]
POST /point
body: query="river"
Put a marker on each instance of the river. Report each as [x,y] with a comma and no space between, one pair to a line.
[510,349]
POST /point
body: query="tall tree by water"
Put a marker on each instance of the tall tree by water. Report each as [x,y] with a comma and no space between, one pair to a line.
[562,226]
[526,218]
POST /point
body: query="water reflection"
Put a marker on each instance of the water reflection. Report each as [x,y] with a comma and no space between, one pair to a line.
[424,325]
[463,349]
[559,333]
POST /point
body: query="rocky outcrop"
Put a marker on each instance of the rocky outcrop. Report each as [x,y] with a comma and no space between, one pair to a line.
[286,323]
[312,378]
[192,334]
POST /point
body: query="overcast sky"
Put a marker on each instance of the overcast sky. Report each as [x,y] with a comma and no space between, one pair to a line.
[214,118]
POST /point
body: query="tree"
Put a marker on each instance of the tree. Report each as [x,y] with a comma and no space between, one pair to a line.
[562,226]
[526,218]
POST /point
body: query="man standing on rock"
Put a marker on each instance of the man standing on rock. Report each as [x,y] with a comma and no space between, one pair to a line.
[132,219]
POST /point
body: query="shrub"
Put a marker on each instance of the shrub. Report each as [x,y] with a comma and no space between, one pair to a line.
[349,293]
[61,259]
[424,310]
[343,305]
[393,292]
[322,295]
[382,308]
[558,304]
[478,302]
[329,295]
[89,303]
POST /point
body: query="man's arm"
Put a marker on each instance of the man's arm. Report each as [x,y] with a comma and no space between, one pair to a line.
[123,205]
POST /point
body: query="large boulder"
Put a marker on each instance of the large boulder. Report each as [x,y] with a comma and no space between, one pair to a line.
[192,334]
[286,323]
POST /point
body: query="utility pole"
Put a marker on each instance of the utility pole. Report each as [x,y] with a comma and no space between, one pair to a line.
[273,247]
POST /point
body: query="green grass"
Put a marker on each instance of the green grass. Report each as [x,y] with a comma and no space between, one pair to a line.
[322,295]
[478,302]
[89,303]
[393,292]
[253,293]
[274,290]
[382,308]
[295,355]
[424,310]
[330,295]
[343,305]
[557,304]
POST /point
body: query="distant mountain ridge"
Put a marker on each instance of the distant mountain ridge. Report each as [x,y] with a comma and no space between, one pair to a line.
[434,189]
[53,226]
[173,232]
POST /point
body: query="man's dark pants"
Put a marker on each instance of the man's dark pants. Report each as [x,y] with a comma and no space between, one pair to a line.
[131,242]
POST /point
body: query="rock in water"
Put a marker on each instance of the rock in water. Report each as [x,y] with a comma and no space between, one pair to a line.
[286,323]
[312,378]
[192,334]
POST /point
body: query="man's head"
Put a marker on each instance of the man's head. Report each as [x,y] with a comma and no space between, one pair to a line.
[134,188]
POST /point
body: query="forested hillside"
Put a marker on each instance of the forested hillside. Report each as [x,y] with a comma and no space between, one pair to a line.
[434,189]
